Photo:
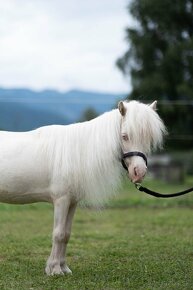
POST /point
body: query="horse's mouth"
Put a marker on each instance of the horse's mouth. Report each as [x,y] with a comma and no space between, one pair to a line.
[136,179]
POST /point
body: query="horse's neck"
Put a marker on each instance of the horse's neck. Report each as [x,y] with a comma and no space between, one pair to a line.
[105,134]
[94,142]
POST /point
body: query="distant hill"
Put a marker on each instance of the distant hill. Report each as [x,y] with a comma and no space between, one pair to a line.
[23,109]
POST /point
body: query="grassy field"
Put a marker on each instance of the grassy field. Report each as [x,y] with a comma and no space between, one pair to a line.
[137,242]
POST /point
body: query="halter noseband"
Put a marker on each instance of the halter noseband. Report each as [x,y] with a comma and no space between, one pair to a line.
[131,154]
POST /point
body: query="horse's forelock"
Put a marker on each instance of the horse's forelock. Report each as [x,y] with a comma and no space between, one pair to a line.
[144,126]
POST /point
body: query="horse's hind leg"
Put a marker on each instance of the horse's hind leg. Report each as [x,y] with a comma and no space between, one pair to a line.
[61,209]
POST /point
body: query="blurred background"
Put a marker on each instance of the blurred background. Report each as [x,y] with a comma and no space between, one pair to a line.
[68,61]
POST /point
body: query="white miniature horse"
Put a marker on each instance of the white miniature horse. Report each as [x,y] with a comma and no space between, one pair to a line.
[65,164]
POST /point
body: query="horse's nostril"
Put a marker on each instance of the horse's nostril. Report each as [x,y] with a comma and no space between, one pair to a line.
[135,171]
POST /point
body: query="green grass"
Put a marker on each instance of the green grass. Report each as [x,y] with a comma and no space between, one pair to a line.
[132,197]
[137,242]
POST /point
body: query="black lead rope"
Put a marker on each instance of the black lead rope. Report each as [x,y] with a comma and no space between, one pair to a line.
[144,189]
[157,194]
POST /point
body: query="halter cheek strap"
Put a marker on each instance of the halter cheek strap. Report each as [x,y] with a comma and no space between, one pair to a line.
[131,154]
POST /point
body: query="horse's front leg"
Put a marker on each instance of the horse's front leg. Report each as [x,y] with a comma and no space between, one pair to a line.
[68,227]
[61,209]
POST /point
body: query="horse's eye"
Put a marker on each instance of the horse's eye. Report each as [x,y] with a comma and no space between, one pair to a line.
[125,137]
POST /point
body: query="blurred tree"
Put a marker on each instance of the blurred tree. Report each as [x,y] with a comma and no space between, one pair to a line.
[88,115]
[160,62]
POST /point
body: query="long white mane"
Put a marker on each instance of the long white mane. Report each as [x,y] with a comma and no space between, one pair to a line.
[86,156]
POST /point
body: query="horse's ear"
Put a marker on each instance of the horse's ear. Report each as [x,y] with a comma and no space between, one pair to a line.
[154,105]
[122,108]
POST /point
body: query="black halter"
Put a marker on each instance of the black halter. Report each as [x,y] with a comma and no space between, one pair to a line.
[131,154]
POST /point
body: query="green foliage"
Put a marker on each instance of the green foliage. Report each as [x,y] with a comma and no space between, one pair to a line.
[160,61]
[88,115]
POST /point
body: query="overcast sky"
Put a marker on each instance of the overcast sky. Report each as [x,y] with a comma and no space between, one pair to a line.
[63,44]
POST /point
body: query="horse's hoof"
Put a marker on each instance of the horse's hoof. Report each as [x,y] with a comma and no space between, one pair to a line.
[66,270]
[56,270]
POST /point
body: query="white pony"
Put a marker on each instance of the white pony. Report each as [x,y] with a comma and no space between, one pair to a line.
[65,164]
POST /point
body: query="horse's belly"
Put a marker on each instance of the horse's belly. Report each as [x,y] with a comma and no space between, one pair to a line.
[24,186]
[24,198]
[24,176]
